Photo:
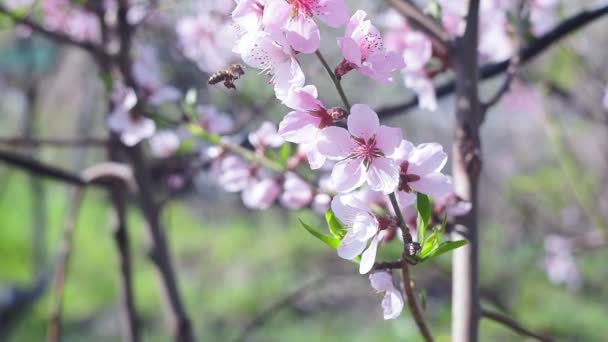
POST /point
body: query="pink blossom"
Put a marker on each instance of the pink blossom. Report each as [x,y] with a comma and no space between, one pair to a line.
[259,50]
[258,190]
[494,41]
[559,262]
[362,226]
[420,170]
[417,51]
[213,121]
[249,14]
[294,19]
[131,128]
[321,203]
[207,40]
[451,205]
[233,173]
[164,143]
[309,150]
[261,192]
[146,70]
[543,15]
[362,48]
[297,193]
[303,125]
[61,15]
[362,152]
[392,303]
[265,136]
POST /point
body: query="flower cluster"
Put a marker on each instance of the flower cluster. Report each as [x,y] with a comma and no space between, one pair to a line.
[73,20]
[208,37]
[360,162]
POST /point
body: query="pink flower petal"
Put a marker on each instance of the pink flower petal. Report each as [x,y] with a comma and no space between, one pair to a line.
[369,256]
[428,158]
[348,175]
[316,160]
[365,226]
[392,304]
[350,50]
[335,143]
[299,127]
[332,12]
[388,139]
[344,211]
[350,247]
[363,122]
[403,152]
[433,184]
[304,99]
[303,34]
[383,175]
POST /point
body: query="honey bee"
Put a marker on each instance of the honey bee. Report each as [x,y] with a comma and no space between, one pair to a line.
[228,76]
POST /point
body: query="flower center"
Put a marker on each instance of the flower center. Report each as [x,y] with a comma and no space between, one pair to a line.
[303,7]
[405,178]
[366,150]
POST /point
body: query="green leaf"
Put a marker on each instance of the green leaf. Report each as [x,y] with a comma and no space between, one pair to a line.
[430,243]
[331,241]
[335,227]
[445,247]
[423,206]
[285,152]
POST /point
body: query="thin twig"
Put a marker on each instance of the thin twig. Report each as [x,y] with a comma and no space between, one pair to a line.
[513,325]
[334,79]
[407,281]
[422,22]
[53,142]
[267,314]
[54,330]
[527,53]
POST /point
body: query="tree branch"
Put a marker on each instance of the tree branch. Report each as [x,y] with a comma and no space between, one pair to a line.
[422,22]
[466,169]
[407,281]
[513,325]
[53,142]
[526,54]
[121,240]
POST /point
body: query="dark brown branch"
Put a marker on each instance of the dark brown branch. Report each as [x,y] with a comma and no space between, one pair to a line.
[54,142]
[54,330]
[407,281]
[102,174]
[526,54]
[266,315]
[158,252]
[121,239]
[53,35]
[35,167]
[422,22]
[513,325]
[388,265]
